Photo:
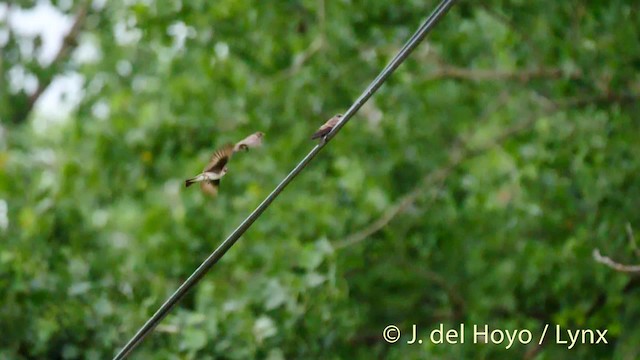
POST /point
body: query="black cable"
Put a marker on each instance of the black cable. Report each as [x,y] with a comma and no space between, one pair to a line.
[419,35]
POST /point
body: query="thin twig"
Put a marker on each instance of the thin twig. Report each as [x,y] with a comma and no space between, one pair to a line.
[524,76]
[607,98]
[444,70]
[322,19]
[614,265]
[304,56]
[432,179]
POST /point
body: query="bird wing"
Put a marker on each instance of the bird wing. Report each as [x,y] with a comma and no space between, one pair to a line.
[327,127]
[219,159]
[324,130]
[210,187]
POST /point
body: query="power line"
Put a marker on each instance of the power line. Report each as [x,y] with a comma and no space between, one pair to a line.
[409,46]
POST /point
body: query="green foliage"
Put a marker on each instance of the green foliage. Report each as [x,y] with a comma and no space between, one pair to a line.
[527,110]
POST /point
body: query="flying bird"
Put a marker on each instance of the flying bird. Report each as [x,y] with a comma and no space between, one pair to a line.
[209,178]
[252,141]
[326,127]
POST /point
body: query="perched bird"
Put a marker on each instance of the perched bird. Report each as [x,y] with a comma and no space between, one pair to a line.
[326,127]
[252,141]
[210,177]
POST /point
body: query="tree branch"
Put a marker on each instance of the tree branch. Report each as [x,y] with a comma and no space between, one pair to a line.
[461,152]
[606,98]
[69,43]
[614,265]
[301,58]
[526,75]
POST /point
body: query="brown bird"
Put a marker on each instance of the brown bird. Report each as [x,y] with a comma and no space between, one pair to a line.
[252,141]
[326,127]
[210,176]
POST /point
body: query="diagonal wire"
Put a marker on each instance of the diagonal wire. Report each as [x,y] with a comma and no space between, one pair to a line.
[410,45]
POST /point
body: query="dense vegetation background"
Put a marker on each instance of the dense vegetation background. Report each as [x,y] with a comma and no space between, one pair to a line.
[472,189]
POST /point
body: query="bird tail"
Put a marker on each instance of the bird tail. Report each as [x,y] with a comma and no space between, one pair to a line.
[189,182]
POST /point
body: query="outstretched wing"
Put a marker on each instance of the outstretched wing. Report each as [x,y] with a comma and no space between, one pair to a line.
[219,159]
[210,187]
